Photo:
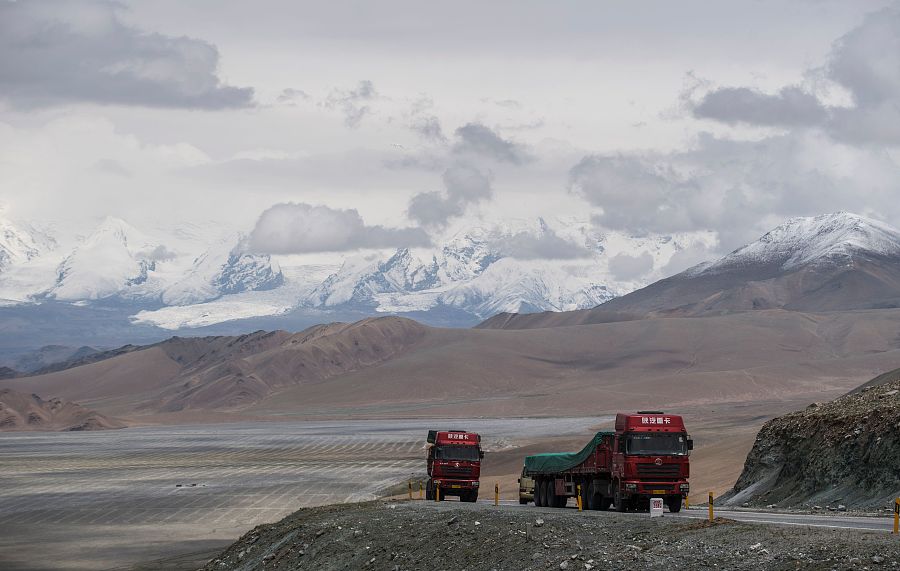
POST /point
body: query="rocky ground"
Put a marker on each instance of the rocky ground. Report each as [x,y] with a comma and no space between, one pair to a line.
[841,454]
[407,536]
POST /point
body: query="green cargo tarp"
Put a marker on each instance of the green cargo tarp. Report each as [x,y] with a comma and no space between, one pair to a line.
[558,462]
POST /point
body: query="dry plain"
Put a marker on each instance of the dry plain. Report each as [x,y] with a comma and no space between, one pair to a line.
[112,499]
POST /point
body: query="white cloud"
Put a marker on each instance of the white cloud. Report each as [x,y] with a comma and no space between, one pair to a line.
[303,228]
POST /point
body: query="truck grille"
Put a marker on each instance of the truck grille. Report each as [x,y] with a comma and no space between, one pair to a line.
[654,471]
[456,471]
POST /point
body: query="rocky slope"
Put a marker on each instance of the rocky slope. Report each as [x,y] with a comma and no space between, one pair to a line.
[418,536]
[21,411]
[843,452]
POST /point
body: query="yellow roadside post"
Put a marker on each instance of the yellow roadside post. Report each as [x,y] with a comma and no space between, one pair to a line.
[710,506]
[410,489]
[897,516]
[687,501]
[420,490]
[437,491]
[578,497]
[496,493]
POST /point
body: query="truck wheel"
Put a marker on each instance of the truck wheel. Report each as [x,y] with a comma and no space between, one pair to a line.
[586,496]
[429,492]
[537,494]
[674,503]
[561,501]
[619,501]
[469,497]
[547,494]
[523,501]
[605,502]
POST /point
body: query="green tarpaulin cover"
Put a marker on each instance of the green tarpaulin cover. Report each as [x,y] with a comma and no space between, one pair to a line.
[549,463]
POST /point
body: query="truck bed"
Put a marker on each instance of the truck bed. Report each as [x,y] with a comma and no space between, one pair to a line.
[562,461]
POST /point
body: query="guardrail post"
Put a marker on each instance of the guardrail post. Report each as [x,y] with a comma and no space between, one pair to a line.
[711,517]
[496,493]
[410,489]
[687,501]
[420,490]
[437,491]
[896,516]
[578,497]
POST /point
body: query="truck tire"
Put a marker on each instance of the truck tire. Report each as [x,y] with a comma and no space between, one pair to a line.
[470,497]
[523,501]
[547,494]
[559,501]
[537,493]
[674,503]
[605,502]
[586,496]
[429,492]
[619,500]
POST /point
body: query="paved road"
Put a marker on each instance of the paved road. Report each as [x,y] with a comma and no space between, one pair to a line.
[826,520]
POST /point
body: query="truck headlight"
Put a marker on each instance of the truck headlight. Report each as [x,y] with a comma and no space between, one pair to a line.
[475,484]
[685,487]
[631,487]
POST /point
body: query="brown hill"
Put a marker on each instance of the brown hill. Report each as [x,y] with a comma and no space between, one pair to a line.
[395,366]
[21,411]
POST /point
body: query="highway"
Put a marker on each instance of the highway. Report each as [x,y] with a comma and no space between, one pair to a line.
[826,520]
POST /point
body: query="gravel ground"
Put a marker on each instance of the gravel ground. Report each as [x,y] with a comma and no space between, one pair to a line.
[407,536]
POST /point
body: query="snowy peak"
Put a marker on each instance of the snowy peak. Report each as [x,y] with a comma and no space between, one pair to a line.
[113,258]
[21,243]
[828,239]
[224,268]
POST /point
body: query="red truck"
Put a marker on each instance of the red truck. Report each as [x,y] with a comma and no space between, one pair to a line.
[454,464]
[647,456]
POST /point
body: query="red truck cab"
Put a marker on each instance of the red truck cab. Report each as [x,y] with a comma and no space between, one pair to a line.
[650,459]
[454,464]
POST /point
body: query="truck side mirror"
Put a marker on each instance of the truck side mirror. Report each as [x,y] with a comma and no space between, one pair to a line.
[690,444]
[481,454]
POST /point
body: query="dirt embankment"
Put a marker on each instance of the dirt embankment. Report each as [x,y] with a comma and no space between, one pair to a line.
[408,536]
[839,453]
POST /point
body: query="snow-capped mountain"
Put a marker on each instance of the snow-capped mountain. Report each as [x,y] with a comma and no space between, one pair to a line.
[225,268]
[488,269]
[828,239]
[115,259]
[833,262]
[21,243]
[193,276]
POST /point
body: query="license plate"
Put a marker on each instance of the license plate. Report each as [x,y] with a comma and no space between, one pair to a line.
[456,486]
[659,491]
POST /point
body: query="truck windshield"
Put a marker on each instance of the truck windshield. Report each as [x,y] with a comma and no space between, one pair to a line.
[656,444]
[456,453]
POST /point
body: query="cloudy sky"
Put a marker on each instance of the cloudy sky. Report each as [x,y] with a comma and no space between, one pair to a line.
[331,126]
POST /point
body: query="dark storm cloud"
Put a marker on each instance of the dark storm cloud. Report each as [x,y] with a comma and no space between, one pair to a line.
[68,51]
[463,185]
[864,61]
[789,107]
[297,228]
[480,140]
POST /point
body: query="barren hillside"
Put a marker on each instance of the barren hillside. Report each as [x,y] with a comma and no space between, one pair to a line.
[20,411]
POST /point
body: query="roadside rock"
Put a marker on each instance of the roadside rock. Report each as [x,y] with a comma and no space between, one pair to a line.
[842,453]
